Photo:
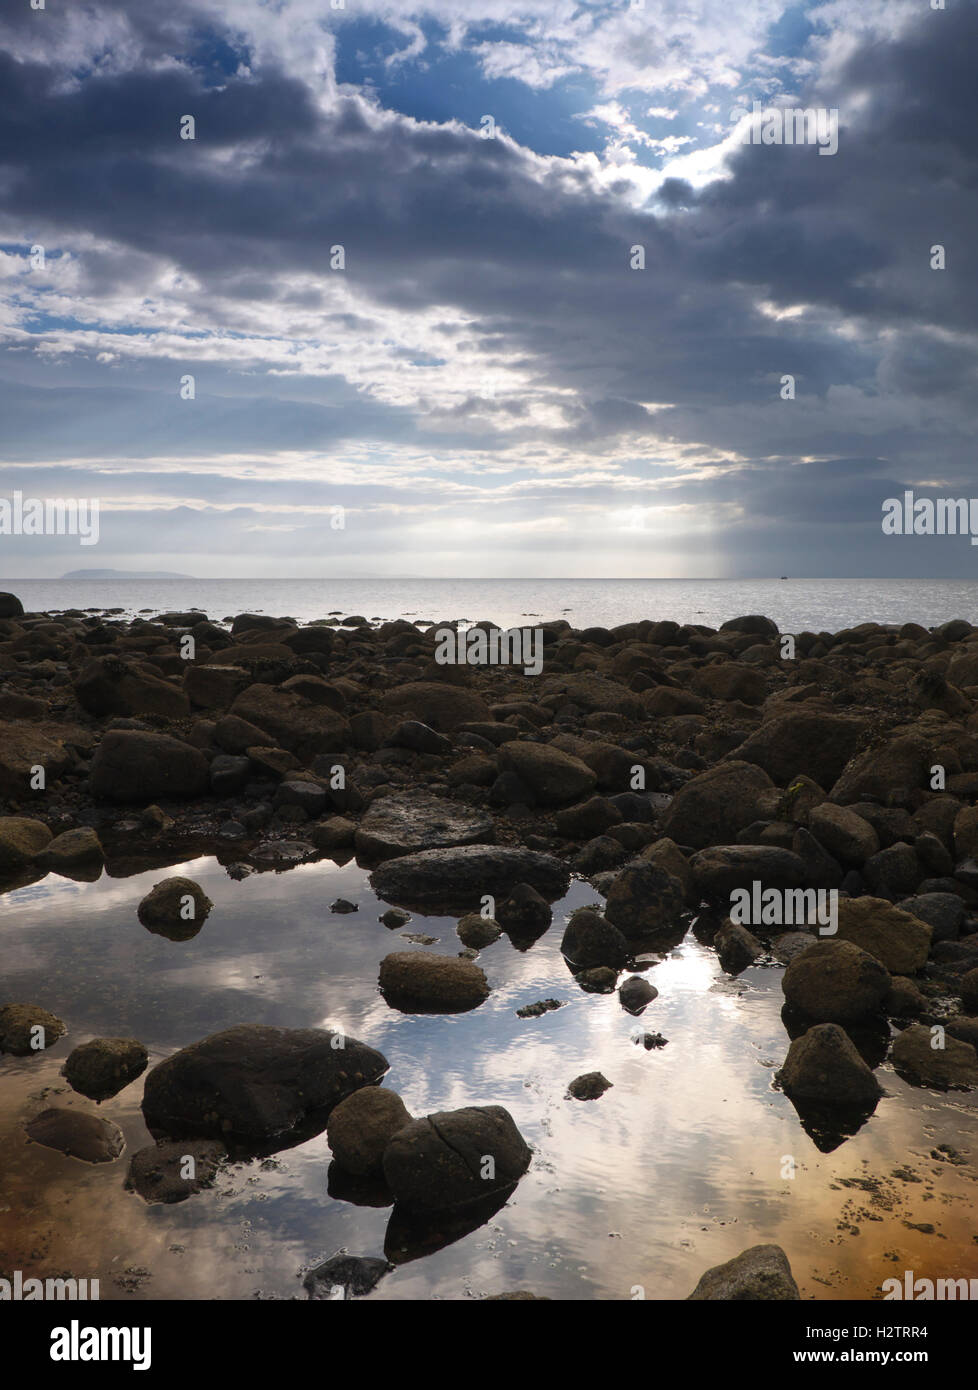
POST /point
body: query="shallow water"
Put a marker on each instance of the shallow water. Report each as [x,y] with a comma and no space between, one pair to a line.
[678,1167]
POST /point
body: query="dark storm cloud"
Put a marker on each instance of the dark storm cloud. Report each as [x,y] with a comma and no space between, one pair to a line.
[538,255]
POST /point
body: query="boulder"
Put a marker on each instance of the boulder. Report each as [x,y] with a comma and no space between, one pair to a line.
[130,765]
[176,908]
[736,947]
[10,606]
[643,899]
[476,931]
[158,1171]
[295,723]
[17,1025]
[412,821]
[891,775]
[635,994]
[441,706]
[24,748]
[590,939]
[360,1128]
[761,1273]
[254,1082]
[811,743]
[823,1068]
[417,982]
[73,853]
[22,840]
[455,1157]
[898,939]
[553,776]
[714,807]
[950,1067]
[836,982]
[719,871]
[846,836]
[101,1068]
[463,875]
[524,912]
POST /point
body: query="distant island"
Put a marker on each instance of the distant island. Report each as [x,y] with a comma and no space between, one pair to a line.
[125,574]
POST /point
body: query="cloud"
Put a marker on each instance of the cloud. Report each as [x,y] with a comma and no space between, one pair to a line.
[486,352]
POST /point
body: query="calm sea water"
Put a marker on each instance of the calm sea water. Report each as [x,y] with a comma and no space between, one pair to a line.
[795,605]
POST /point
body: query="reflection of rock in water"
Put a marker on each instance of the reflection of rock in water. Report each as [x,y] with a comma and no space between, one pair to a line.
[77,1134]
[829,1126]
[411,1235]
[359,1191]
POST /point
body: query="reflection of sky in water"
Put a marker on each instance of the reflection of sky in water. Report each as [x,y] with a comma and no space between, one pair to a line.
[676,1168]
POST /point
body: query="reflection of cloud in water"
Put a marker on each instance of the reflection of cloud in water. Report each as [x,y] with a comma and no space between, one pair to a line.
[677,1167]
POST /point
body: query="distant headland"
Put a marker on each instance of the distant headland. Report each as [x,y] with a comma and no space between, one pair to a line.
[125,574]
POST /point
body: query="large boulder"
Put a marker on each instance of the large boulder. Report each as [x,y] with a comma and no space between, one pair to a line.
[944,913]
[836,982]
[417,982]
[898,939]
[761,1273]
[845,835]
[644,899]
[253,1082]
[441,706]
[408,822]
[803,742]
[74,853]
[823,1068]
[455,1157]
[10,606]
[132,766]
[461,876]
[719,871]
[714,807]
[950,1066]
[592,693]
[22,840]
[295,723]
[22,750]
[18,1023]
[589,940]
[554,777]
[892,775]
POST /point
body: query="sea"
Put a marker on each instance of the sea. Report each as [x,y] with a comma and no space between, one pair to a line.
[796,605]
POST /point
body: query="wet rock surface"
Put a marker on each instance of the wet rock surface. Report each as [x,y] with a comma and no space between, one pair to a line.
[419,982]
[455,1157]
[101,1068]
[761,1273]
[173,1171]
[253,1082]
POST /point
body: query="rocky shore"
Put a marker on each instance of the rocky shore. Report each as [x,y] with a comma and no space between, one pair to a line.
[673,767]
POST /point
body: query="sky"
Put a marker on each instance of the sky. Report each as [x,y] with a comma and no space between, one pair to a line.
[396,267]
